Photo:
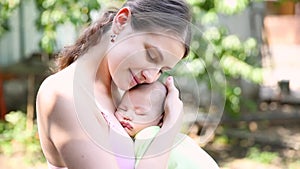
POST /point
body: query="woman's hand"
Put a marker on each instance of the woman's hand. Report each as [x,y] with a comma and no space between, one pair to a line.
[160,147]
[173,106]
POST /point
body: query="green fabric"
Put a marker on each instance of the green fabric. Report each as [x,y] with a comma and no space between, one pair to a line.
[142,140]
[180,157]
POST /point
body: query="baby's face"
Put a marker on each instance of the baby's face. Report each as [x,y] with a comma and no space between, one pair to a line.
[140,109]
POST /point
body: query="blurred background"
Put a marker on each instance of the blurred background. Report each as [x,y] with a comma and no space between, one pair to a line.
[239,84]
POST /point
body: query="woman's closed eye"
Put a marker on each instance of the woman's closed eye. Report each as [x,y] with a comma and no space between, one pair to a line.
[154,59]
[165,70]
[153,54]
[151,57]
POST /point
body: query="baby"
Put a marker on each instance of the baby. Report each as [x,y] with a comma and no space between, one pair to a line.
[140,112]
[142,107]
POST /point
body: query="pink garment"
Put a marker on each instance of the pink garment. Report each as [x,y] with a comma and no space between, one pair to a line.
[123,162]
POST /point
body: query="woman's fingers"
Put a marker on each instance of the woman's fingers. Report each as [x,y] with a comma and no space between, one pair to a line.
[172,99]
[171,87]
[173,104]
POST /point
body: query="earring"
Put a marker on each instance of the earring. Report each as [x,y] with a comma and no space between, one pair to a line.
[113,38]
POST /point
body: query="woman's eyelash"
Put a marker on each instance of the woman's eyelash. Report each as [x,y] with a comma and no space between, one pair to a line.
[164,70]
[149,55]
[152,56]
[122,109]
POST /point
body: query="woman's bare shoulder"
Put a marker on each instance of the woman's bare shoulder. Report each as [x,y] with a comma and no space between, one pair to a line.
[47,95]
[52,89]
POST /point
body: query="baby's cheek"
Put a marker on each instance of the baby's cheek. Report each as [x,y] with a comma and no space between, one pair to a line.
[139,127]
[117,115]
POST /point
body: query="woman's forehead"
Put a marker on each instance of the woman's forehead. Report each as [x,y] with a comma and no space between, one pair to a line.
[167,43]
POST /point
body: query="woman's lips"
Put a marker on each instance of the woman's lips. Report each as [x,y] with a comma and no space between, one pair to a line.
[135,79]
[126,125]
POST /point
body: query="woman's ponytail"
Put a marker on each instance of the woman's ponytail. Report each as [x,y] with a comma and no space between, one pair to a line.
[89,38]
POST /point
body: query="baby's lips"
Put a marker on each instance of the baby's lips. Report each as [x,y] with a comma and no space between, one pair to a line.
[126,125]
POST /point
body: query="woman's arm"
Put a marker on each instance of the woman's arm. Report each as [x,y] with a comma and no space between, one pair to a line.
[157,155]
[45,103]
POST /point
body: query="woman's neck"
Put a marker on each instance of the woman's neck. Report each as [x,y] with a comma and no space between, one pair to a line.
[105,88]
[97,71]
[94,64]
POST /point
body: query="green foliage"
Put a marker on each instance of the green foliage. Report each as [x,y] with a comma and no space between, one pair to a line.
[58,12]
[214,52]
[262,156]
[14,138]
[6,9]
[221,140]
[230,7]
[232,104]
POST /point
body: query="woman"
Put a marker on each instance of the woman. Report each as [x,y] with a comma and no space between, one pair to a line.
[76,105]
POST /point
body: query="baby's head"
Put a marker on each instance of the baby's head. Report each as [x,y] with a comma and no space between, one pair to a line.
[141,107]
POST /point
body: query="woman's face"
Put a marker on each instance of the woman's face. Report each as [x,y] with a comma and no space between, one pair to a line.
[141,57]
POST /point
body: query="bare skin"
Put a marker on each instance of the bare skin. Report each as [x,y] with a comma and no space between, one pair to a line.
[141,107]
[64,142]
[66,139]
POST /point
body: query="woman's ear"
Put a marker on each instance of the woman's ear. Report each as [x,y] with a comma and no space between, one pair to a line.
[121,19]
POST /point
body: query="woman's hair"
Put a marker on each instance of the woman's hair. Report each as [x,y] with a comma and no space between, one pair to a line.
[147,15]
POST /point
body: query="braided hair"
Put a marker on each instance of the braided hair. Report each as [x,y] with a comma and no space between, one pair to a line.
[146,15]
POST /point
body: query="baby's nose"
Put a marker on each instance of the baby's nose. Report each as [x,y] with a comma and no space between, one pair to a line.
[128,116]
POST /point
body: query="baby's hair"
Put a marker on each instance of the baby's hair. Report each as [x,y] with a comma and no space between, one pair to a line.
[157,96]
[147,85]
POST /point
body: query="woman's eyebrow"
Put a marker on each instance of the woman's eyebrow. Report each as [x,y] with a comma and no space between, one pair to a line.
[157,50]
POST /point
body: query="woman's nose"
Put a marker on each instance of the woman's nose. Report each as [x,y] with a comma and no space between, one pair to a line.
[151,75]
